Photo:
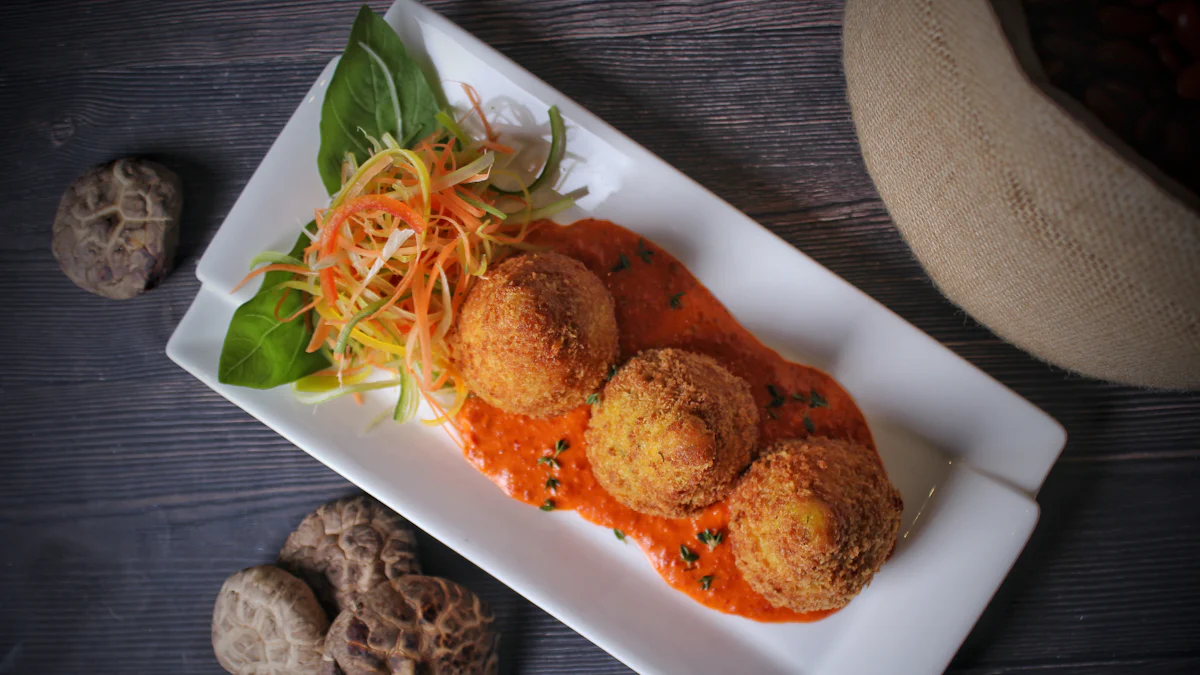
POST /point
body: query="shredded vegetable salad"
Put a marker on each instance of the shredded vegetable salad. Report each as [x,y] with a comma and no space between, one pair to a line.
[395,253]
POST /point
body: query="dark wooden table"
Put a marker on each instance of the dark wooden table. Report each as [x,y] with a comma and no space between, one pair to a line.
[128,490]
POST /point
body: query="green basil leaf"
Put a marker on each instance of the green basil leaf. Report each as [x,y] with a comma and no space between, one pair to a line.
[376,88]
[260,351]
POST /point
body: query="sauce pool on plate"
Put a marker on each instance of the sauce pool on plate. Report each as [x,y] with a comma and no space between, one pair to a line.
[659,304]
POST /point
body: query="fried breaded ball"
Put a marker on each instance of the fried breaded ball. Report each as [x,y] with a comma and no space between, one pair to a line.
[671,432]
[812,521]
[537,336]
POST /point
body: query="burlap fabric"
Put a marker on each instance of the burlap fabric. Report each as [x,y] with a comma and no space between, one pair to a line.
[1023,211]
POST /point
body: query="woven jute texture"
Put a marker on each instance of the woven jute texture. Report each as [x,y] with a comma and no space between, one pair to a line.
[1041,226]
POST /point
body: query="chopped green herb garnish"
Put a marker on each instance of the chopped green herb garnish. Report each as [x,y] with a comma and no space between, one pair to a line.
[706,581]
[592,399]
[777,399]
[623,263]
[552,483]
[771,414]
[620,534]
[689,556]
[675,302]
[709,538]
[808,424]
[800,397]
[818,401]
[561,446]
[547,505]
[643,252]
[549,461]
[612,370]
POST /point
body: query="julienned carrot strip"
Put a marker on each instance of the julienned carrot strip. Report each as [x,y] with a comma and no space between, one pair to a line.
[389,265]
[464,281]
[441,381]
[473,97]
[421,310]
[320,334]
[405,281]
[439,153]
[426,147]
[296,269]
[464,204]
[445,420]
[498,147]
[463,210]
[328,289]
[297,313]
[440,264]
[279,305]
[501,239]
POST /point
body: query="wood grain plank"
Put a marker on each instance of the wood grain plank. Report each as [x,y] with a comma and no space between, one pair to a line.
[811,156]
[227,32]
[1109,563]
[158,552]
[1158,666]
[151,576]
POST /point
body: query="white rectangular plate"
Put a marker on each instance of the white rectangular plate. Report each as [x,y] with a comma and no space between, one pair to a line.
[967,453]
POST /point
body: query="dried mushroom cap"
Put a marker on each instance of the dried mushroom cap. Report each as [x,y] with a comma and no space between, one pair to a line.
[415,625]
[117,227]
[268,622]
[348,547]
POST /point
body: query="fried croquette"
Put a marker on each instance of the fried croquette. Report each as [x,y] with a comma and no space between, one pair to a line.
[672,432]
[812,521]
[537,335]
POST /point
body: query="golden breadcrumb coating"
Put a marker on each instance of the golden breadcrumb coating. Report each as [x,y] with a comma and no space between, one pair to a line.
[672,432]
[812,521]
[537,335]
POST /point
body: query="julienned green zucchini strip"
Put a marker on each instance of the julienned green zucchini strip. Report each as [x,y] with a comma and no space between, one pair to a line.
[480,204]
[406,404]
[344,336]
[451,126]
[558,137]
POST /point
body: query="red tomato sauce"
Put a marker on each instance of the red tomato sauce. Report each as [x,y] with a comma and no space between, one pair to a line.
[659,304]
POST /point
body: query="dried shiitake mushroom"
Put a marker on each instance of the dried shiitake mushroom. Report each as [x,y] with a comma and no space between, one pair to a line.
[117,227]
[348,547]
[415,625]
[268,622]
